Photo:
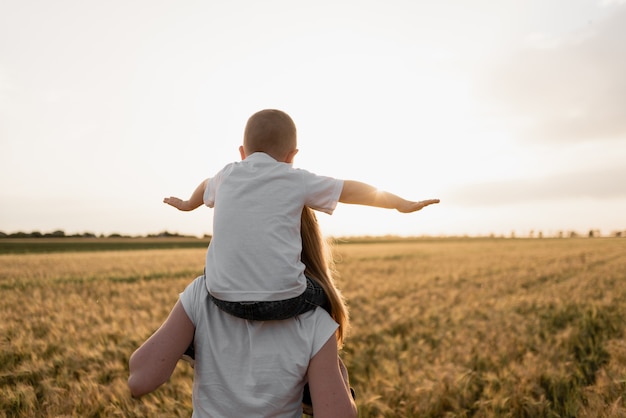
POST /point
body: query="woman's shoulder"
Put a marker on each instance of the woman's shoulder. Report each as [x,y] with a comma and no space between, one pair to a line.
[196,286]
[191,297]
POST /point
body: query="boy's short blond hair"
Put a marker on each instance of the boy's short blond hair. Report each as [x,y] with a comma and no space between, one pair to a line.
[270,131]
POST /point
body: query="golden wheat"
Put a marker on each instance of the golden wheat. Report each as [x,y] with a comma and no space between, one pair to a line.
[486,327]
[449,327]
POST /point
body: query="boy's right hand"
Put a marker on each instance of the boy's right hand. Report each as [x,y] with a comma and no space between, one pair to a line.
[192,203]
[178,203]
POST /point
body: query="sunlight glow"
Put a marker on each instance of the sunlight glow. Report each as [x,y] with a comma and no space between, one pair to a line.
[415,98]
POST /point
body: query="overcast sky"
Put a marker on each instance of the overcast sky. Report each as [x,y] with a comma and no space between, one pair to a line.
[513,113]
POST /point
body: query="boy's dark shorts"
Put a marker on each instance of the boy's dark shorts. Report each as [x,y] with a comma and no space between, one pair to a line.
[310,299]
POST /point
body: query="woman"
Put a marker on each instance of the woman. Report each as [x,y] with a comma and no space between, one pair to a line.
[254,368]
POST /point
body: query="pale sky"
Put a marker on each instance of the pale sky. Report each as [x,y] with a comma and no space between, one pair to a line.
[513,112]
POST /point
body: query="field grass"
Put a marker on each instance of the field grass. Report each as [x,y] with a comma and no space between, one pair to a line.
[440,328]
[55,245]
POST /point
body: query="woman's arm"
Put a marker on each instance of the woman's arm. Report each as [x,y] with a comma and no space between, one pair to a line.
[152,364]
[330,389]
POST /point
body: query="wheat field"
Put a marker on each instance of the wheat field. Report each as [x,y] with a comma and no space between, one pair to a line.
[440,328]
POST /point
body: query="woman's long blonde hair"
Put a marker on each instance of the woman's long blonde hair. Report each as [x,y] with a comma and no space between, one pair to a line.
[317,258]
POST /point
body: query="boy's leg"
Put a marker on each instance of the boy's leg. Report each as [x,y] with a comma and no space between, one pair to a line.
[190,356]
[315,296]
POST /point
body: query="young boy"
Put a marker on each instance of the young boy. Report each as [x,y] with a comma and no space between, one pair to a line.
[253,267]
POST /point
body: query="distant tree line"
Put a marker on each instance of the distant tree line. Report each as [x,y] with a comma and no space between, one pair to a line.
[593,233]
[61,234]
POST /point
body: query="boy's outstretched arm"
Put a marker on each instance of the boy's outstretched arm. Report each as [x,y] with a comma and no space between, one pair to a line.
[358,193]
[196,199]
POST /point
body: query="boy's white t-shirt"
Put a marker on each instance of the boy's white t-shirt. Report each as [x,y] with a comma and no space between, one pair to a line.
[250,368]
[254,254]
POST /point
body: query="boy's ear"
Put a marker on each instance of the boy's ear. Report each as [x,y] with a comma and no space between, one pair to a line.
[242,152]
[291,156]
